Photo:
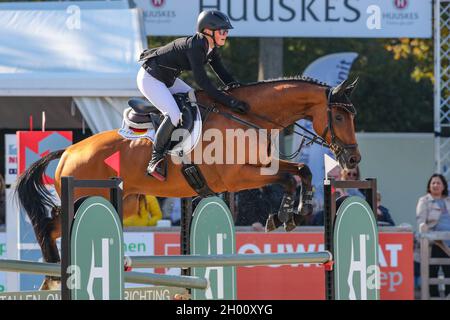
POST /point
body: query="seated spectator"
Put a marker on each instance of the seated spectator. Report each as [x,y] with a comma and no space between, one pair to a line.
[383,213]
[336,174]
[255,205]
[2,201]
[318,219]
[148,213]
[171,208]
[433,215]
[352,175]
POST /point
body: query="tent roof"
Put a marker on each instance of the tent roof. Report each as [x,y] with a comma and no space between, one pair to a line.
[70,53]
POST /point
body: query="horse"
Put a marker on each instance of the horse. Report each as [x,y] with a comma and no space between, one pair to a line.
[274,105]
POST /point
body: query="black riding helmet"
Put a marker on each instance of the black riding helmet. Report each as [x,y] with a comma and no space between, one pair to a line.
[214,20]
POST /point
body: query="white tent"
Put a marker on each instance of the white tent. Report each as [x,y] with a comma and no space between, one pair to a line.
[90,55]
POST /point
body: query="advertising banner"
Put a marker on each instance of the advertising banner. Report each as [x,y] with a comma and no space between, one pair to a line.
[3,256]
[10,158]
[307,281]
[295,18]
[32,146]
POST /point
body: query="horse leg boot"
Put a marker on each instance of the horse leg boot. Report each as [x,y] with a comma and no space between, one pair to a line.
[156,166]
[305,205]
[286,211]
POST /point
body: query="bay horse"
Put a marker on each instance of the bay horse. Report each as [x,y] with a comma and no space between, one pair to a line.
[274,104]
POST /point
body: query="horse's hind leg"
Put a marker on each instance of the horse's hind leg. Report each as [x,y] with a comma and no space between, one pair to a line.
[47,241]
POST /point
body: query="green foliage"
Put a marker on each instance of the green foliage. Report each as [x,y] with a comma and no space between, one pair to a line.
[420,50]
[387,98]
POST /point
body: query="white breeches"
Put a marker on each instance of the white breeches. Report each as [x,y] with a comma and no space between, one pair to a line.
[160,96]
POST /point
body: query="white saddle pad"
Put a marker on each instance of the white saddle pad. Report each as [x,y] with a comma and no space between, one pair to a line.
[183,148]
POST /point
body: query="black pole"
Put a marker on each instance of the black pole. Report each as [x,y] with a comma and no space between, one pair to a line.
[369,188]
[329,215]
[67,215]
[68,185]
[185,225]
[116,196]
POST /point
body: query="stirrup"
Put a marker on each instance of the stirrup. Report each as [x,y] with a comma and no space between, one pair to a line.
[158,172]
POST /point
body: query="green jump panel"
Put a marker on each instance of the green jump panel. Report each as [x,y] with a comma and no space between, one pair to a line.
[96,252]
[212,233]
[356,269]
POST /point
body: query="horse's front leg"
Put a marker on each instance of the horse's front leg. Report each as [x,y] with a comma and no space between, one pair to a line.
[305,205]
[286,211]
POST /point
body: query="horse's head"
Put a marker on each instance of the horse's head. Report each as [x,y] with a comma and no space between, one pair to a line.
[334,122]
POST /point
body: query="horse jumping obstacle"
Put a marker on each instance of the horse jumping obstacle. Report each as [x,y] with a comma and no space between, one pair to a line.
[70,268]
[192,261]
[337,233]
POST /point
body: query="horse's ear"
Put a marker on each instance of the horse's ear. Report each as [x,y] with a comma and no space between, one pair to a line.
[339,90]
[349,89]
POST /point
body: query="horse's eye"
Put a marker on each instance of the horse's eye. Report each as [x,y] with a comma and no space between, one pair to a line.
[339,117]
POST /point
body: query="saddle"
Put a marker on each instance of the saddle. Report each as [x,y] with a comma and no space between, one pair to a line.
[143,115]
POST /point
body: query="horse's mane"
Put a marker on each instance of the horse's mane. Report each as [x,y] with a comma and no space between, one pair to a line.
[296,78]
[291,78]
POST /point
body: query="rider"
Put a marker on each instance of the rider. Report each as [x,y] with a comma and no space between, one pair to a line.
[158,77]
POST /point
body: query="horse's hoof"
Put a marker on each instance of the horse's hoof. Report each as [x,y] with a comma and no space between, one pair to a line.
[290,225]
[179,296]
[270,223]
[50,284]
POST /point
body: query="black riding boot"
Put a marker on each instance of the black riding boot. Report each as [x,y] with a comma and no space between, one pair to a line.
[162,141]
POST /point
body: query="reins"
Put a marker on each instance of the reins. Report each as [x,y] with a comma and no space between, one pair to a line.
[336,144]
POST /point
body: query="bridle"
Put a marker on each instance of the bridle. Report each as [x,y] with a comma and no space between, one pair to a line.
[337,146]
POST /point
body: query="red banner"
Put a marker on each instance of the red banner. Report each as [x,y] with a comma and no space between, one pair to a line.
[306,282]
[33,145]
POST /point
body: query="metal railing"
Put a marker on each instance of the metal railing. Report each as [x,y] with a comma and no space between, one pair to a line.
[54,269]
[225,260]
[425,239]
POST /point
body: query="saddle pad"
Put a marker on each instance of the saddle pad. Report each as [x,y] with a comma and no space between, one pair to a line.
[133,134]
[183,148]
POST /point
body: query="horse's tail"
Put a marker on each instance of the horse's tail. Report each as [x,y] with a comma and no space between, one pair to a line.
[34,196]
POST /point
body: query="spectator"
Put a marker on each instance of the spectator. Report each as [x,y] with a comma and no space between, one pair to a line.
[336,174]
[383,213]
[318,219]
[148,213]
[171,208]
[433,215]
[352,175]
[2,200]
[255,205]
